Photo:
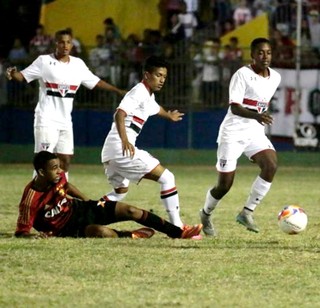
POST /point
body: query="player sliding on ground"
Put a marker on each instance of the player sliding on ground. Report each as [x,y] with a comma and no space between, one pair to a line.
[54,207]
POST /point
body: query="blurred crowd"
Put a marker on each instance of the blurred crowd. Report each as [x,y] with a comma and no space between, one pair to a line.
[190,31]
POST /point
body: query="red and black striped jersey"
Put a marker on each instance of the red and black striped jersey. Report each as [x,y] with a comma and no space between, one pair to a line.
[44,211]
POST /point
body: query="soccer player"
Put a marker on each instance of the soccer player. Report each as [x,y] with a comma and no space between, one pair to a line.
[122,160]
[243,131]
[60,76]
[55,207]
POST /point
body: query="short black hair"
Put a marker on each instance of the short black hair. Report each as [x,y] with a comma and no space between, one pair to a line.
[258,41]
[40,159]
[62,32]
[154,62]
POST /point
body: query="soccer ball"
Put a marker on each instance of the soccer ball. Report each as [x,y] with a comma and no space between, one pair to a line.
[292,219]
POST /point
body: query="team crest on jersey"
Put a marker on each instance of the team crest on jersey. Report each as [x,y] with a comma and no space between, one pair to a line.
[63,89]
[45,146]
[222,162]
[262,107]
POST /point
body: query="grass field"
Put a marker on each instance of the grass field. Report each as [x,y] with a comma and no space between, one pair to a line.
[236,269]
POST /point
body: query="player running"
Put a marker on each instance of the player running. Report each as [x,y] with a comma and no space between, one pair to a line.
[122,160]
[243,131]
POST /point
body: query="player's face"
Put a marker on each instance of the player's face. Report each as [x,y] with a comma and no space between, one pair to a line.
[156,78]
[64,45]
[52,171]
[262,56]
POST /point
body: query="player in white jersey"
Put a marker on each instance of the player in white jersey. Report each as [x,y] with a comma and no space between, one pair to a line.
[243,132]
[60,76]
[122,160]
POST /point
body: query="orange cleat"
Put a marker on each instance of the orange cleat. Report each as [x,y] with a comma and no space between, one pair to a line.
[143,233]
[191,231]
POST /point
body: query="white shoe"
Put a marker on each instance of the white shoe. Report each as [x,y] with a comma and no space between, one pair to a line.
[208,228]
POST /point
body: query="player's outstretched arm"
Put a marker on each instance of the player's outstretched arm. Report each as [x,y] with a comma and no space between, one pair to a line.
[109,87]
[174,115]
[13,74]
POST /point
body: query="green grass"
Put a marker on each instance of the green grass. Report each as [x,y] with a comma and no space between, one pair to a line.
[237,269]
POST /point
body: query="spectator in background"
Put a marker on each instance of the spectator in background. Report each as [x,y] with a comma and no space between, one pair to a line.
[188,21]
[109,24]
[232,58]
[242,13]
[17,57]
[284,17]
[134,57]
[77,47]
[208,64]
[114,45]
[99,62]
[41,43]
[282,49]
[166,9]
[314,27]
[227,27]
[99,58]
[222,16]
[176,31]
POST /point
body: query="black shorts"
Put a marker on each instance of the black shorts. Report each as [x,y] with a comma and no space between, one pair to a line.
[87,213]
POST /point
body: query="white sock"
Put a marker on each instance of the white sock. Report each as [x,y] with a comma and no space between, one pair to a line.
[170,198]
[210,203]
[258,191]
[113,196]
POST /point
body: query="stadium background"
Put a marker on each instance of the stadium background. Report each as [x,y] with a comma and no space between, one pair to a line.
[197,131]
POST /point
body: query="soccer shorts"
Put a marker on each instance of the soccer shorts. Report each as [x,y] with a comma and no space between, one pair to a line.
[229,153]
[120,171]
[86,213]
[53,140]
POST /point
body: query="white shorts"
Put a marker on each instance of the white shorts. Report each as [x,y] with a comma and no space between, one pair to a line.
[121,171]
[53,140]
[229,153]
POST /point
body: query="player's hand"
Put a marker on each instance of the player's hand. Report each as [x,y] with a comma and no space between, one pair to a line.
[265,118]
[175,115]
[10,71]
[128,149]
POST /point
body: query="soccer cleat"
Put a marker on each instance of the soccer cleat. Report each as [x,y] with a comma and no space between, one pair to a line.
[247,221]
[191,231]
[143,233]
[208,228]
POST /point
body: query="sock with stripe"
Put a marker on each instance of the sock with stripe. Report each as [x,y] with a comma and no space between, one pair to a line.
[170,198]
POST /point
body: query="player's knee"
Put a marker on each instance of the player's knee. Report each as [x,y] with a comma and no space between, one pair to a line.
[167,177]
[133,212]
[270,167]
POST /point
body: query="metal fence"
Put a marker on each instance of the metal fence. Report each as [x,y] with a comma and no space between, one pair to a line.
[186,87]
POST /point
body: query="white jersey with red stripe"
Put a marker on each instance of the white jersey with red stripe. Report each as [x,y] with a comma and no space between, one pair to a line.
[59,83]
[251,91]
[138,105]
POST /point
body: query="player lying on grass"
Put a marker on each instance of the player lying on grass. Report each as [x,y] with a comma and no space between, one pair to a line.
[55,207]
